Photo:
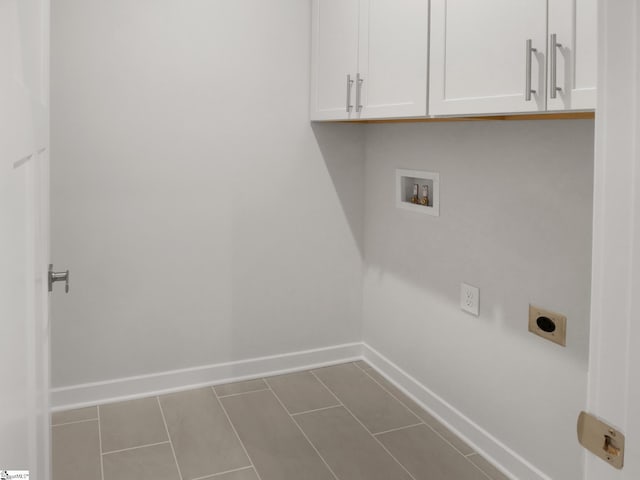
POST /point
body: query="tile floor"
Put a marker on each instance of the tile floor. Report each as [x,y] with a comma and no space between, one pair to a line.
[345,422]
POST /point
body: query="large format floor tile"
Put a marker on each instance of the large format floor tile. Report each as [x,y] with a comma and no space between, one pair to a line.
[202,437]
[274,442]
[427,456]
[351,452]
[447,434]
[367,400]
[77,415]
[76,451]
[487,467]
[146,463]
[131,424]
[346,422]
[363,365]
[452,438]
[246,474]
[240,387]
[301,392]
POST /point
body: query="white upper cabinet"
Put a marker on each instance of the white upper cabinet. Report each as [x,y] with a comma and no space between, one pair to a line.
[573,26]
[393,58]
[377,59]
[480,62]
[369,59]
[334,58]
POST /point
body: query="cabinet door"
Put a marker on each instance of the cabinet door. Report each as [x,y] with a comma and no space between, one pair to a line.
[574,24]
[394,51]
[334,56]
[478,56]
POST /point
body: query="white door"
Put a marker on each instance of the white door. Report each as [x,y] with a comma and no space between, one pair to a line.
[614,357]
[334,59]
[573,25]
[394,51]
[479,60]
[24,366]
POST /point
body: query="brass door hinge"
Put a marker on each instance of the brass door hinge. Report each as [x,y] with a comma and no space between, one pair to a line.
[601,439]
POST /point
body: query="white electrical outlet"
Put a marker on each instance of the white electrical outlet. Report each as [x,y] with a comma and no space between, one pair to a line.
[470,299]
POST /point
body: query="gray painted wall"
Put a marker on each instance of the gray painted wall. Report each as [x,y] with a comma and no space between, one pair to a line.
[201,216]
[516,213]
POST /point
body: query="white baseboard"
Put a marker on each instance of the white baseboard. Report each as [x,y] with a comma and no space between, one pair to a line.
[88,394]
[482,441]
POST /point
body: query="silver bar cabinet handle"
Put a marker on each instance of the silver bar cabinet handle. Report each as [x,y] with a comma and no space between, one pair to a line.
[359,82]
[349,85]
[527,89]
[553,57]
